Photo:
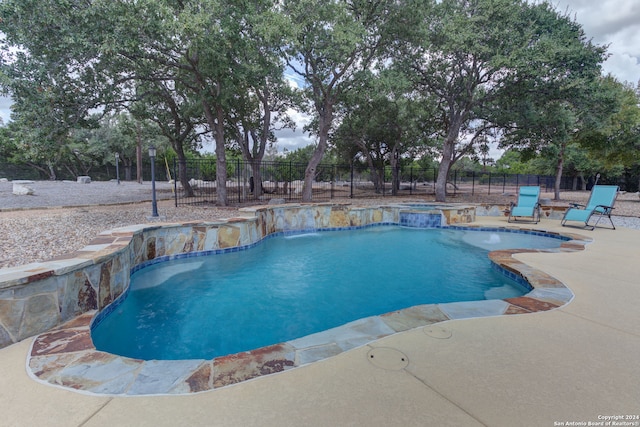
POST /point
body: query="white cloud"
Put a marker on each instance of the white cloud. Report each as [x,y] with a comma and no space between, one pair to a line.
[615,23]
[5,108]
[624,67]
[293,139]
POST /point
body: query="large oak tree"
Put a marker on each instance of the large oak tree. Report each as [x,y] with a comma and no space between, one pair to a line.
[471,54]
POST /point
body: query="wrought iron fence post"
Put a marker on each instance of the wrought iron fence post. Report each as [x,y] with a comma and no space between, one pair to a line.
[455,179]
[351,195]
[333,180]
[411,182]
[238,181]
[175,181]
[290,178]
[473,182]
[434,182]
[489,183]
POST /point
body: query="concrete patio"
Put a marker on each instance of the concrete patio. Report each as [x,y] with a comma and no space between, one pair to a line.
[576,364]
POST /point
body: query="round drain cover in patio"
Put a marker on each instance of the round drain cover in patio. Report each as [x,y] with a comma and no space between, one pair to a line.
[388,358]
[437,332]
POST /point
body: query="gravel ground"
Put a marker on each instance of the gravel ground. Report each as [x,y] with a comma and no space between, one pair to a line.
[48,194]
[62,217]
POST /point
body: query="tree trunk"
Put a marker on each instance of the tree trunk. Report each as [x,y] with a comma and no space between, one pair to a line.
[376,179]
[128,170]
[375,173]
[395,175]
[182,172]
[559,166]
[216,123]
[326,118]
[443,169]
[448,148]
[254,155]
[138,154]
[52,172]
[257,178]
[221,164]
[310,171]
[441,181]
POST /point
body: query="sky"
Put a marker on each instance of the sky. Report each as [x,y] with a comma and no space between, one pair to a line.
[615,23]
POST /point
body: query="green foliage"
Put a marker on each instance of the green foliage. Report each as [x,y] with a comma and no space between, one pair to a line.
[300,155]
[618,140]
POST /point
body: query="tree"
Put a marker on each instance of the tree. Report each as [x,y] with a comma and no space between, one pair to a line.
[177,117]
[617,143]
[382,123]
[330,44]
[106,50]
[572,112]
[255,120]
[470,54]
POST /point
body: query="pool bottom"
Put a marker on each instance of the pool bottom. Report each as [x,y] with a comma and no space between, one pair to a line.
[66,356]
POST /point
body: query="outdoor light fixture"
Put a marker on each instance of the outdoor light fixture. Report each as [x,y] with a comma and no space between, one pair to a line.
[154,203]
[118,167]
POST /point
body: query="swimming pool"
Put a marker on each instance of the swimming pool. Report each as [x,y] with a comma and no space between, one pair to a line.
[295,285]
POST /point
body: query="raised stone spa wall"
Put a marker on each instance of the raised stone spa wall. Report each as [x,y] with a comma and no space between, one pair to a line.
[37,297]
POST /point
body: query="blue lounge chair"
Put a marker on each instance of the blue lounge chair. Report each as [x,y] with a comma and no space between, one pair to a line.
[600,203]
[528,205]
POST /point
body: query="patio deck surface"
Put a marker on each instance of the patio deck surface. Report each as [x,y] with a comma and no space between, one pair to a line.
[575,364]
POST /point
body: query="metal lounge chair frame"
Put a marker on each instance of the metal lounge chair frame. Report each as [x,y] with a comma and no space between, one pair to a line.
[528,205]
[600,203]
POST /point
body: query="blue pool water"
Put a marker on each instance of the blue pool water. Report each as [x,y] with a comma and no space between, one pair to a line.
[289,287]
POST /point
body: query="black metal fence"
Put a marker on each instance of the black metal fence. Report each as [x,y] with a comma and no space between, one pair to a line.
[284,180]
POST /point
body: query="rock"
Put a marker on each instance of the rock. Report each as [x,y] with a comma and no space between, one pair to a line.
[22,188]
[277,201]
[84,180]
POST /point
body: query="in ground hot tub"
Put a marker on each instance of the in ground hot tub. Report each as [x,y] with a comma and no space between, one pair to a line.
[434,215]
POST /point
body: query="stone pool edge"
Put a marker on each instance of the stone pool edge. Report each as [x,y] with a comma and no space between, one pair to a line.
[66,357]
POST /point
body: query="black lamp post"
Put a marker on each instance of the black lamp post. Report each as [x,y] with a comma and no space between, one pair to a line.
[154,203]
[118,167]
